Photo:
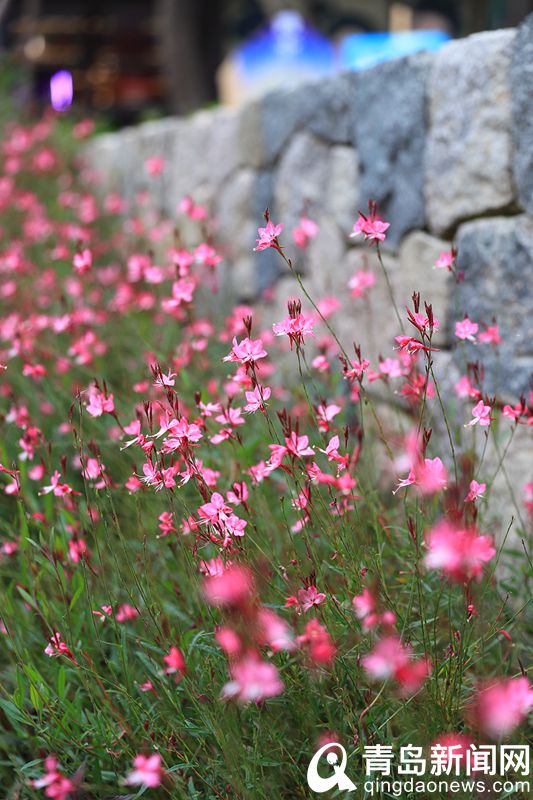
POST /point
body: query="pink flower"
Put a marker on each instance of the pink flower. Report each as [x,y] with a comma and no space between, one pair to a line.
[56,647]
[411,345]
[235,526]
[422,323]
[429,474]
[463,388]
[99,402]
[388,655]
[317,641]
[76,549]
[214,567]
[214,510]
[459,552]
[466,330]
[476,490]
[298,446]
[499,707]
[390,367]
[277,454]
[491,335]
[296,327]
[365,607]
[104,612]
[332,452]
[268,236]
[229,640]
[255,400]
[304,232]
[166,524]
[152,476]
[182,292]
[238,495]
[231,417]
[325,413]
[253,680]
[373,228]
[82,261]
[147,771]
[247,351]
[274,631]
[233,587]
[451,747]
[126,613]
[356,369]
[361,282]
[9,548]
[164,381]
[83,128]
[364,604]
[56,785]
[310,597]
[154,165]
[391,659]
[191,209]
[175,662]
[207,255]
[446,260]
[327,306]
[528,497]
[481,414]
[56,487]
[432,475]
[513,412]
[181,434]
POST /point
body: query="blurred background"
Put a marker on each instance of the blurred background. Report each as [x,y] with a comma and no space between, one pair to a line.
[136,59]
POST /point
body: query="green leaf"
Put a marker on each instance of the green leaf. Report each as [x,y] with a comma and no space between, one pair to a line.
[61,682]
[12,712]
[35,698]
[24,530]
[78,592]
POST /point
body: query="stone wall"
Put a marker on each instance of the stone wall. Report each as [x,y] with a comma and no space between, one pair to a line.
[443,142]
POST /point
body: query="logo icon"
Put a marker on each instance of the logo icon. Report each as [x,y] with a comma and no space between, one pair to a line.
[339,779]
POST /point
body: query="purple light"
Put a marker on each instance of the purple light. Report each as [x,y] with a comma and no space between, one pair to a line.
[61,90]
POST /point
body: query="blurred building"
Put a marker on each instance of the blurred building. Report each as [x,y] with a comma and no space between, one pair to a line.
[132,58]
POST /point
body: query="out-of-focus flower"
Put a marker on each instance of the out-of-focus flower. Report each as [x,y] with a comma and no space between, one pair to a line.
[56,785]
[466,330]
[391,659]
[460,553]
[253,680]
[147,771]
[499,707]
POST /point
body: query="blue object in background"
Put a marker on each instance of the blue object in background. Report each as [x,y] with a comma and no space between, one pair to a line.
[287,48]
[362,50]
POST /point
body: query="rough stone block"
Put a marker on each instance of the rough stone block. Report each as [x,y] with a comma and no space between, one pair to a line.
[233,207]
[468,157]
[300,180]
[522,105]
[205,153]
[496,256]
[418,253]
[323,259]
[320,107]
[342,189]
[389,135]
